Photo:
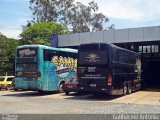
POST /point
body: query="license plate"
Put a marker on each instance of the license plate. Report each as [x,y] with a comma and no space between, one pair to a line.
[69,86]
[93,85]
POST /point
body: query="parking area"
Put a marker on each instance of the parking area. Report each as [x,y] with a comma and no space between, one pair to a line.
[140,97]
[34,103]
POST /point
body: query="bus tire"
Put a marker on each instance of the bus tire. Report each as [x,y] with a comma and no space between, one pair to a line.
[40,91]
[129,91]
[8,87]
[60,88]
[124,89]
[15,89]
[67,92]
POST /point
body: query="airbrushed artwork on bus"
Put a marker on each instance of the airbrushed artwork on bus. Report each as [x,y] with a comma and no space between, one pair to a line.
[61,66]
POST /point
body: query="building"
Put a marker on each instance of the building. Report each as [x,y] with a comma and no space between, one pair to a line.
[145,40]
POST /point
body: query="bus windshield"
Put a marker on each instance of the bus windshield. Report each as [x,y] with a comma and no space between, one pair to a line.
[93,58]
[27,66]
[27,52]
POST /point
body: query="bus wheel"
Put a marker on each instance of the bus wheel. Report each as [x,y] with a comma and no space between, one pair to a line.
[15,89]
[40,91]
[67,93]
[129,89]
[124,89]
[8,87]
[60,88]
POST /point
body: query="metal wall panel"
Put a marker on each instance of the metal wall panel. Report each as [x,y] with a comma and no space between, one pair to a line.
[97,37]
[121,35]
[63,40]
[109,36]
[151,33]
[135,34]
[85,37]
[74,39]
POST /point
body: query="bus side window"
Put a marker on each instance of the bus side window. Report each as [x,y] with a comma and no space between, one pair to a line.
[48,54]
[68,59]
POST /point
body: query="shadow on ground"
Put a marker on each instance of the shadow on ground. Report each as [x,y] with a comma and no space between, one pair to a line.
[91,97]
[28,93]
[153,89]
[56,95]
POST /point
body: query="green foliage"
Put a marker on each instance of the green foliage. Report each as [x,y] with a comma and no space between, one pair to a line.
[11,45]
[41,33]
[2,42]
[7,53]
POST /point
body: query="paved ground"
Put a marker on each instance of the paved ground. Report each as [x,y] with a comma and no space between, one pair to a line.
[141,97]
[143,102]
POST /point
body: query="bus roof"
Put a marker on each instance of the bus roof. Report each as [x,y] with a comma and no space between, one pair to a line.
[112,45]
[117,47]
[51,48]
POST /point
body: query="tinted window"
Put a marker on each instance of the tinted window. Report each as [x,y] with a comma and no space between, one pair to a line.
[1,79]
[48,54]
[68,59]
[27,52]
[91,47]
[9,79]
[68,54]
[27,66]
[94,57]
[122,56]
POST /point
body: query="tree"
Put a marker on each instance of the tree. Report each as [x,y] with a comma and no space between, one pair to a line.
[7,54]
[3,41]
[83,18]
[41,33]
[48,10]
[10,53]
[76,16]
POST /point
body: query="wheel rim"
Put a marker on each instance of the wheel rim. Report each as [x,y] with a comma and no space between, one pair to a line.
[8,87]
[124,90]
[130,90]
[60,88]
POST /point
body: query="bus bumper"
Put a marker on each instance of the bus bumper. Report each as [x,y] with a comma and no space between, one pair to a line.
[95,89]
[109,90]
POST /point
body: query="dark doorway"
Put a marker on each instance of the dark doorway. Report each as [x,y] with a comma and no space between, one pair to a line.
[151,72]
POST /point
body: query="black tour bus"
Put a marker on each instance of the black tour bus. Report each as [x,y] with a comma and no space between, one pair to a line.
[107,68]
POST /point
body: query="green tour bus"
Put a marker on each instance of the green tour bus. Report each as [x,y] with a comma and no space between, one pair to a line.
[42,68]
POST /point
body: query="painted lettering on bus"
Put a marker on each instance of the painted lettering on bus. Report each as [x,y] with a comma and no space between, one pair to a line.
[26,52]
[65,62]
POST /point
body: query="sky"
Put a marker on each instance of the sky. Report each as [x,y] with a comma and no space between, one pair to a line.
[122,13]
